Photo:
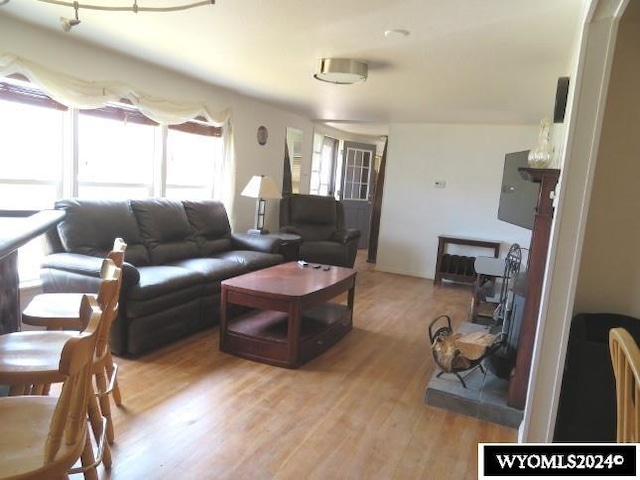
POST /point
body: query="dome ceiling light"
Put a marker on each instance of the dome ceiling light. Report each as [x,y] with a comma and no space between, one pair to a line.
[341,71]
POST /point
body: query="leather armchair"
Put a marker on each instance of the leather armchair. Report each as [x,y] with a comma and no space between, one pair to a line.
[319,221]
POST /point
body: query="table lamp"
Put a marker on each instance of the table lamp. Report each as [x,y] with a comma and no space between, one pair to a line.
[260,187]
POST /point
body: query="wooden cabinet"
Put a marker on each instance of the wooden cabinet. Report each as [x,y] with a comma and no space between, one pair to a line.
[459,268]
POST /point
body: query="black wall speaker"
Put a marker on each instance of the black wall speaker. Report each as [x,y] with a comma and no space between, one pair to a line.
[562,90]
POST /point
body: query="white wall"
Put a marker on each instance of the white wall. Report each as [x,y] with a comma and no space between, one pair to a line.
[587,100]
[609,278]
[64,53]
[470,159]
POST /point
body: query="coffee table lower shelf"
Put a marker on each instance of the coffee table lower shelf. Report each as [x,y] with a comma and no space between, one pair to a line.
[261,335]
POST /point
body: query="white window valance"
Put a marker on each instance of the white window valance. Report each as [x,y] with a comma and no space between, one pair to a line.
[83,94]
[77,93]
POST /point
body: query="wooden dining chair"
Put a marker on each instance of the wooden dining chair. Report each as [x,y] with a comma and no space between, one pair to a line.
[625,357]
[28,360]
[59,311]
[43,437]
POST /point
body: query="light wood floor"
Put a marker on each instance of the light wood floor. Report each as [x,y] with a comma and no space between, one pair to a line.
[355,412]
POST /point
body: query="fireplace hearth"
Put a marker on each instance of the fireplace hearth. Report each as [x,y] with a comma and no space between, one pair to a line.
[483,396]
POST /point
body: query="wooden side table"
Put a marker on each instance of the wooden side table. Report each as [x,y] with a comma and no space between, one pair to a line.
[289,245]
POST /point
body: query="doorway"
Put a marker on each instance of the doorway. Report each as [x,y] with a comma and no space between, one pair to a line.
[350,170]
[357,187]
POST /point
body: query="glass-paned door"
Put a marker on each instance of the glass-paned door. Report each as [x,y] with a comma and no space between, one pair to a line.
[357,173]
[357,188]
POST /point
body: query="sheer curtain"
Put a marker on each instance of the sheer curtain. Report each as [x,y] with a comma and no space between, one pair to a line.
[82,94]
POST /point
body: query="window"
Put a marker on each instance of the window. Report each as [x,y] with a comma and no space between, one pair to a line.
[192,150]
[30,171]
[323,167]
[119,153]
[116,152]
[293,153]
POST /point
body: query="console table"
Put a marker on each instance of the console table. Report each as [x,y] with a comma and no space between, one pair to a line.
[459,268]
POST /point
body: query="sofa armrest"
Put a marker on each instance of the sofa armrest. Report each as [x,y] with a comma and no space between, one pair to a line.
[87,266]
[260,243]
[73,262]
[345,235]
[291,229]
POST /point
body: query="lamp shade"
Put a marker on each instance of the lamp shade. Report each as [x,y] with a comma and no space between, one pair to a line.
[261,186]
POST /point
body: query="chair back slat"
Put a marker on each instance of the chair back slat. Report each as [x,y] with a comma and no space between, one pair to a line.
[625,358]
[108,295]
[69,420]
[117,254]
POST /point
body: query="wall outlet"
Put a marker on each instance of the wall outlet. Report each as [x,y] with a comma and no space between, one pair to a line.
[439,184]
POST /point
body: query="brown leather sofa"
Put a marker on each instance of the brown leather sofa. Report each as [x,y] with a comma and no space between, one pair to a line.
[177,254]
[319,221]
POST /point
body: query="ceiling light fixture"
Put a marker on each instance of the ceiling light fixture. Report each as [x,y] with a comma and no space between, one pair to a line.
[342,71]
[67,23]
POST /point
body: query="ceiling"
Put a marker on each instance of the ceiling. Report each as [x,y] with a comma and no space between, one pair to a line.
[464,61]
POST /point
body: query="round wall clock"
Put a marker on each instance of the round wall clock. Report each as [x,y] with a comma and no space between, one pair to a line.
[262,135]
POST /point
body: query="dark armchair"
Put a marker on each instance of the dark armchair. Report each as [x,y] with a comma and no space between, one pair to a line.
[320,222]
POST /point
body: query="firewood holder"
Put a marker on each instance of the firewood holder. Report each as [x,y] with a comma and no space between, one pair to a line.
[439,329]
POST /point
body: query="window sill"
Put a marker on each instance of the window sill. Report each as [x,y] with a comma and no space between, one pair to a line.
[31,286]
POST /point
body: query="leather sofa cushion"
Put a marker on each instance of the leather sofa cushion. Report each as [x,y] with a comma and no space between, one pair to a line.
[91,226]
[315,210]
[165,229]
[212,269]
[208,218]
[210,224]
[211,247]
[250,260]
[158,280]
[314,233]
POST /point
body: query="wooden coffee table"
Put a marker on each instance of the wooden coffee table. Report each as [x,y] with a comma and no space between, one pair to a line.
[294,318]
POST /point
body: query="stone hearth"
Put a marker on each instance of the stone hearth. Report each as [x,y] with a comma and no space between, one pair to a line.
[485,396]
